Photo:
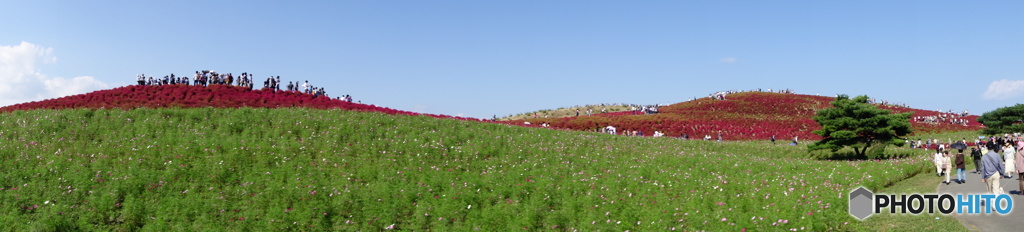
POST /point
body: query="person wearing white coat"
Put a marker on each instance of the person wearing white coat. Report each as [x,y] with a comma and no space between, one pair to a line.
[1008,156]
[947,165]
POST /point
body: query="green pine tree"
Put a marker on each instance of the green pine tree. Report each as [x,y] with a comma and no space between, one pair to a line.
[855,123]
[1003,120]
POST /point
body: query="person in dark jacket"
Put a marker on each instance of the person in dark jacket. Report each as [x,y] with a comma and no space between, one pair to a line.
[976,155]
[960,166]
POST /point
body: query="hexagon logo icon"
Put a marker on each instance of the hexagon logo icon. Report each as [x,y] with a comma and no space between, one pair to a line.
[861,201]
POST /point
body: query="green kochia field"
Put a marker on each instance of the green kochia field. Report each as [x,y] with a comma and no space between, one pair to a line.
[268,169]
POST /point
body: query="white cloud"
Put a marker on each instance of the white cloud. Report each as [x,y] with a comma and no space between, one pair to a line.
[21,80]
[460,115]
[1004,89]
[728,60]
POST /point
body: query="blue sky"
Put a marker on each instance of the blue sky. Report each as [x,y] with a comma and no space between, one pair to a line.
[484,58]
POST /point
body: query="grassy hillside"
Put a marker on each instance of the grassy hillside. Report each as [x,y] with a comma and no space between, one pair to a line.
[267,169]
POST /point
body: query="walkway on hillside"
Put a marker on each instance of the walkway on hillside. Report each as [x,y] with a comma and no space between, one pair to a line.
[1011,222]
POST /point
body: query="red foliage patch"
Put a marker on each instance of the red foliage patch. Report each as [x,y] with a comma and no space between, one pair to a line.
[186,96]
[744,116]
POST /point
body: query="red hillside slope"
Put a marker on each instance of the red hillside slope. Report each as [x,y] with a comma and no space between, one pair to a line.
[743,116]
[186,96]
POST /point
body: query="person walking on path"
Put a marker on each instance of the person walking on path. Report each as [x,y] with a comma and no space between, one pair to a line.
[937,160]
[1019,162]
[947,166]
[960,165]
[976,155]
[1008,153]
[992,169]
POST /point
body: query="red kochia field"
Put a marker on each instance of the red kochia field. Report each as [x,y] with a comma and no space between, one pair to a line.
[743,116]
[217,96]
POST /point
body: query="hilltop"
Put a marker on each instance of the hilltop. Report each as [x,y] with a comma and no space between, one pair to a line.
[741,116]
[194,96]
[569,111]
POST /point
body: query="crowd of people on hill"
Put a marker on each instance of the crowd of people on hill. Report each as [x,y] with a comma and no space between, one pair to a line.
[609,130]
[947,117]
[961,114]
[644,109]
[683,136]
[954,119]
[210,77]
[142,79]
[206,78]
[614,131]
[933,144]
[887,103]
[720,95]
